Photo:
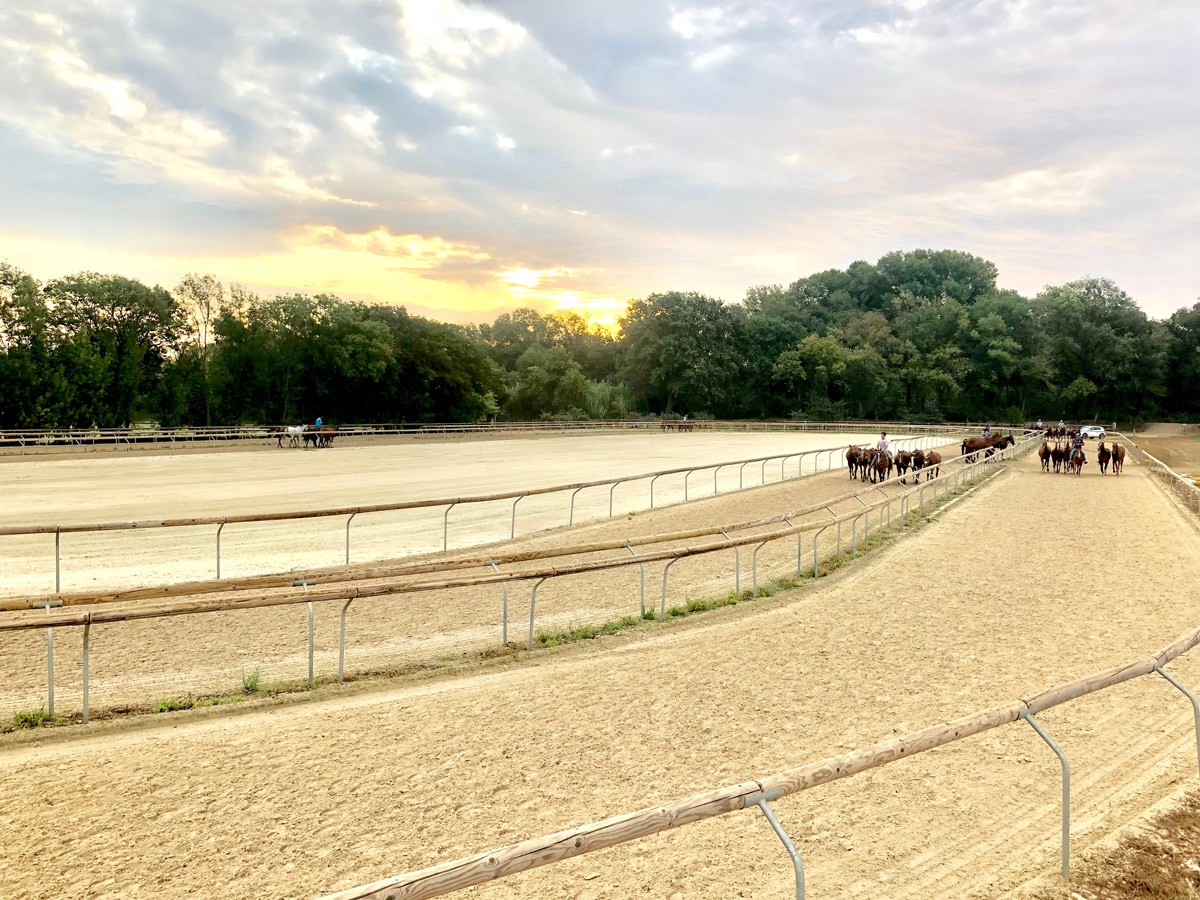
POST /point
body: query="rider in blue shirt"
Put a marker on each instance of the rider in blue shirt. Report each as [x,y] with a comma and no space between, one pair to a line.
[318,421]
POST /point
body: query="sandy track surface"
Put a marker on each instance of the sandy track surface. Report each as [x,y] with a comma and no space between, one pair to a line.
[994,601]
[1181,453]
[200,484]
[147,661]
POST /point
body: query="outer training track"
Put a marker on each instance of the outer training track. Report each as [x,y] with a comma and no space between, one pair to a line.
[981,607]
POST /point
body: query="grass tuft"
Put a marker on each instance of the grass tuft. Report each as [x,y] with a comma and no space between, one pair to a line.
[32,718]
[251,681]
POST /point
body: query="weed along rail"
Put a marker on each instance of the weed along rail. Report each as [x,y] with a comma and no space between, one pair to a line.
[877,513]
[483,867]
[832,460]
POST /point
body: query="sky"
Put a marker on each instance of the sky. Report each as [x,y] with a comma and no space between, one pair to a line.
[464,159]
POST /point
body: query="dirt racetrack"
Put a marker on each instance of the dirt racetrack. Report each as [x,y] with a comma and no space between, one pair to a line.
[138,487]
[993,601]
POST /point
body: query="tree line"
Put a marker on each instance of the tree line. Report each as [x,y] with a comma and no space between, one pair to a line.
[920,335]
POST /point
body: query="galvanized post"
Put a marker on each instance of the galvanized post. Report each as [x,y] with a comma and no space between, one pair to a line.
[760,800]
[503,608]
[741,469]
[87,627]
[57,560]
[686,476]
[513,530]
[839,538]
[652,480]
[816,534]
[662,615]
[220,528]
[445,528]
[754,568]
[342,640]
[1195,706]
[610,498]
[737,564]
[351,519]
[1066,791]
[715,491]
[642,567]
[50,662]
[571,518]
[532,608]
[763,474]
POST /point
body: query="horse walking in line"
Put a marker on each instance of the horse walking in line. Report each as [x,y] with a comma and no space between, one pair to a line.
[880,466]
[1044,454]
[988,445]
[855,461]
[1058,455]
[293,433]
[933,460]
[903,462]
[1076,461]
[1102,457]
[918,463]
[1118,458]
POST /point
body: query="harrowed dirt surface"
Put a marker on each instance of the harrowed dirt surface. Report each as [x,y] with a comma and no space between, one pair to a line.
[995,600]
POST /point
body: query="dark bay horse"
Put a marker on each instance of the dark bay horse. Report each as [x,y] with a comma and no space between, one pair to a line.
[933,460]
[880,465]
[1044,455]
[1058,455]
[1102,457]
[918,463]
[903,461]
[973,445]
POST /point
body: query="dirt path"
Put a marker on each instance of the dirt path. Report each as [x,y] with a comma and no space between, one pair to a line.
[990,603]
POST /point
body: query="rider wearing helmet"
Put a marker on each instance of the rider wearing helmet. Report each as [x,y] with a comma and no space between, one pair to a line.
[1077,447]
[1041,426]
[987,431]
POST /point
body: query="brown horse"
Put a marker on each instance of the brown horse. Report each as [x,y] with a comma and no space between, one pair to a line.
[1118,458]
[326,435]
[855,460]
[973,445]
[933,460]
[880,466]
[1044,454]
[1076,460]
[903,461]
[918,463]
[1058,455]
[1102,457]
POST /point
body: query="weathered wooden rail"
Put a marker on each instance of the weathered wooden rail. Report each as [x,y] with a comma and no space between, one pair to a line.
[473,870]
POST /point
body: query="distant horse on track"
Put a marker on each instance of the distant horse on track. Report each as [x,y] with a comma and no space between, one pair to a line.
[293,433]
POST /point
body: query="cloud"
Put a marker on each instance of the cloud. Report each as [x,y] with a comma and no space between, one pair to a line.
[639,146]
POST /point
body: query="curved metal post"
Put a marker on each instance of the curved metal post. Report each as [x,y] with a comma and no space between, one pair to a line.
[310,637]
[760,800]
[816,534]
[686,476]
[57,560]
[662,615]
[532,607]
[512,532]
[1066,791]
[87,627]
[737,564]
[652,480]
[642,568]
[799,546]
[1195,706]
[754,569]
[445,528]
[342,640]
[351,519]
[715,471]
[763,474]
[571,517]
[610,498]
[783,468]
[741,469]
[220,528]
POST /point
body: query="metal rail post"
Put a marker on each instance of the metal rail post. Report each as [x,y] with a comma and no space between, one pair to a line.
[1066,791]
[512,532]
[87,628]
[48,604]
[715,471]
[532,608]
[686,476]
[754,569]
[1195,706]
[445,528]
[58,559]
[503,608]
[610,498]
[763,474]
[737,564]
[799,546]
[220,528]
[342,640]
[303,583]
[642,567]
[662,615]
[760,800]
[571,517]
[741,469]
[652,480]
[816,534]
[351,519]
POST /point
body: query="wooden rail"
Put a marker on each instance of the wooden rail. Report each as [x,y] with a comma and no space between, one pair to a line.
[473,870]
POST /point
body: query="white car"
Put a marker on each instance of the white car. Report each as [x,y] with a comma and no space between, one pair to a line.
[1092,431]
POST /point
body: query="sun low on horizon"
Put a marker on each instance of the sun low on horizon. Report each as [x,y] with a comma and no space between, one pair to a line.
[464,159]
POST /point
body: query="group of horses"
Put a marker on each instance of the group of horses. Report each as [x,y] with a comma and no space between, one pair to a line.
[869,464]
[678,425]
[308,434]
[1066,460]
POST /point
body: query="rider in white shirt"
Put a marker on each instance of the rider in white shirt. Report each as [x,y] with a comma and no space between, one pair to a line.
[882,444]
